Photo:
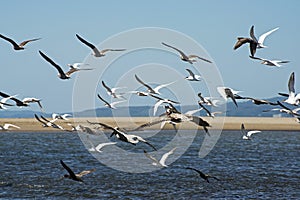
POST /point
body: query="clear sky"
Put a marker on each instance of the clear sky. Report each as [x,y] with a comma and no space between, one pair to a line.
[213,24]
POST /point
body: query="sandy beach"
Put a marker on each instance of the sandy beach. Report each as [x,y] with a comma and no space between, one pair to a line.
[227,123]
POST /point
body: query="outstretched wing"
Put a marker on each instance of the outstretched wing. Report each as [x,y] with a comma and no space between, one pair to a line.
[163,159]
[60,71]
[22,44]
[9,40]
[263,36]
[102,99]
[141,82]
[178,50]
[85,172]
[95,50]
[72,174]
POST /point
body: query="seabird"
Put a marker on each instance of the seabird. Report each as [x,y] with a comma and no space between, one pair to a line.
[72,175]
[96,52]
[149,88]
[129,138]
[6,127]
[287,110]
[109,105]
[192,76]
[256,101]
[18,46]
[162,161]
[47,123]
[160,101]
[247,135]
[112,91]
[276,63]
[207,100]
[22,103]
[206,110]
[3,102]
[99,146]
[261,39]
[202,175]
[292,97]
[187,58]
[61,74]
[227,92]
[61,116]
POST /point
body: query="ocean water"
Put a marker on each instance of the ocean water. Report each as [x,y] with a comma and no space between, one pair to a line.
[267,167]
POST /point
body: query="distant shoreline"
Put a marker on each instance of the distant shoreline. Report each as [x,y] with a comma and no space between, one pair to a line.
[230,123]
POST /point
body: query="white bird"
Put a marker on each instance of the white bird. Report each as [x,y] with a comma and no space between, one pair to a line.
[33,100]
[112,91]
[187,58]
[6,127]
[292,97]
[162,161]
[96,52]
[227,92]
[150,89]
[192,76]
[272,63]
[247,136]
[61,116]
[109,105]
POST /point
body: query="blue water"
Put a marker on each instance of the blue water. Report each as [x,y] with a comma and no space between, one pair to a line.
[266,167]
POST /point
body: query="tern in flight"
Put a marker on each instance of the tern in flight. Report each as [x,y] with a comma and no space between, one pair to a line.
[272,63]
[162,161]
[292,97]
[150,89]
[208,100]
[99,146]
[112,91]
[61,116]
[61,74]
[192,76]
[109,105]
[22,103]
[227,92]
[247,134]
[18,46]
[6,127]
[96,52]
[187,58]
[46,123]
[254,43]
[121,135]
[160,101]
[72,175]
[202,175]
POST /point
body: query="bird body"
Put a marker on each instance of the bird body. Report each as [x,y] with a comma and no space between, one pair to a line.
[71,175]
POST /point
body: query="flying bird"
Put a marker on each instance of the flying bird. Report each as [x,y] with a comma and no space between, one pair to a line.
[187,58]
[227,92]
[162,161]
[272,63]
[96,52]
[202,175]
[24,102]
[192,76]
[160,101]
[112,91]
[207,100]
[254,43]
[99,146]
[292,99]
[247,134]
[256,101]
[6,127]
[18,46]
[109,105]
[129,138]
[3,102]
[71,175]
[61,116]
[46,123]
[149,88]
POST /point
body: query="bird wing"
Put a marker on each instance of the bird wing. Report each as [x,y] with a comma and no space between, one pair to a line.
[102,99]
[198,171]
[141,82]
[72,174]
[283,106]
[257,58]
[179,51]
[106,87]
[59,69]
[156,89]
[243,129]
[151,157]
[249,133]
[201,58]
[263,36]
[191,112]
[37,118]
[207,111]
[253,46]
[22,44]
[291,83]
[163,159]
[283,94]
[71,71]
[101,124]
[100,146]
[6,126]
[116,102]
[149,124]
[95,50]
[191,73]
[241,41]
[252,34]
[229,93]
[85,172]
[10,40]
[106,50]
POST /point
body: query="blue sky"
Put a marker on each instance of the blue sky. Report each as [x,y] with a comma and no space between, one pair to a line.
[213,24]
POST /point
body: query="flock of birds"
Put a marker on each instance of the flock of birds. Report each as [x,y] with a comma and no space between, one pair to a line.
[171,115]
